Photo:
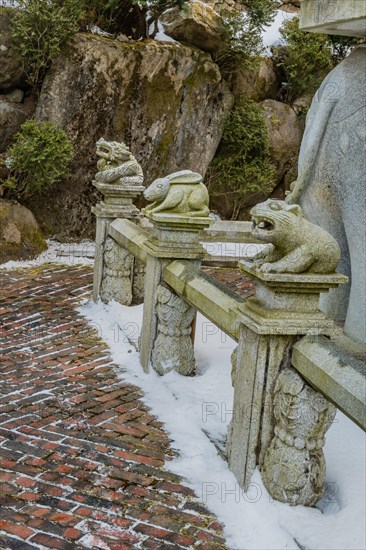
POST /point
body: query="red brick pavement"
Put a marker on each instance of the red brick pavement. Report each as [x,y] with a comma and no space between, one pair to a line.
[81,457]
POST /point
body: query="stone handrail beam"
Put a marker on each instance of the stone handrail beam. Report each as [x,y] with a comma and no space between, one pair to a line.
[218,303]
[129,235]
[334,373]
[229,231]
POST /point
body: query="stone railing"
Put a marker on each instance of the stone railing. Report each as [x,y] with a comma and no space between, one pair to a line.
[287,374]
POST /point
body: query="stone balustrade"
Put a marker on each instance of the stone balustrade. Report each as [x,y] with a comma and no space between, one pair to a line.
[281,413]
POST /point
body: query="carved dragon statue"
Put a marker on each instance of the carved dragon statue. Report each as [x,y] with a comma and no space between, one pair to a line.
[117,165]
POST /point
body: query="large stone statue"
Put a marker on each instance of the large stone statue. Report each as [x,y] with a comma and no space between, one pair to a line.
[331,183]
[117,165]
[295,245]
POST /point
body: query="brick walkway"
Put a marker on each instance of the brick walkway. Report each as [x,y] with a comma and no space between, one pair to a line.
[81,458]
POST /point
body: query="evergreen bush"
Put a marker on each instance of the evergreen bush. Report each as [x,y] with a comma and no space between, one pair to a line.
[242,165]
[39,157]
[306,58]
[242,38]
[39,29]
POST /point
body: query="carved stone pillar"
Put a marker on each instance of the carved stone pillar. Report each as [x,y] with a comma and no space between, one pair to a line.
[284,308]
[293,468]
[178,213]
[138,285]
[120,181]
[166,325]
[173,347]
[117,273]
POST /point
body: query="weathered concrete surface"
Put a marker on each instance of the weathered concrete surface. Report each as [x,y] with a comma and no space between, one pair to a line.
[344,17]
[229,231]
[20,237]
[167,101]
[276,422]
[331,182]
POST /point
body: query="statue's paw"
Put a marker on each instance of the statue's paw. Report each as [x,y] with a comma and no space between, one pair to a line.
[268,268]
[259,258]
[259,262]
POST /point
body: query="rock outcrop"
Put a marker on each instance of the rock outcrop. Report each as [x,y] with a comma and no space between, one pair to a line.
[198,24]
[20,237]
[259,83]
[285,131]
[12,116]
[290,6]
[167,101]
[11,72]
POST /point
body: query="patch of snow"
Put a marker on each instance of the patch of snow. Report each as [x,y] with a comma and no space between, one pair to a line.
[160,35]
[93,541]
[192,407]
[94,29]
[81,253]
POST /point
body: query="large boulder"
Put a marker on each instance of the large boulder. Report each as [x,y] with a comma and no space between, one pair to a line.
[258,83]
[198,24]
[12,116]
[168,102]
[285,131]
[290,6]
[20,237]
[11,72]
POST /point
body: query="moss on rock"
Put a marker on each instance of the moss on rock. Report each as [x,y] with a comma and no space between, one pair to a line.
[167,101]
[20,236]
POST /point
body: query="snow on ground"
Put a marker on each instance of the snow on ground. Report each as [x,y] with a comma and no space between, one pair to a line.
[81,253]
[194,408]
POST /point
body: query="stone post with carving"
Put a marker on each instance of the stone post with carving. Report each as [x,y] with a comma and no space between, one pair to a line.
[178,213]
[278,420]
[120,180]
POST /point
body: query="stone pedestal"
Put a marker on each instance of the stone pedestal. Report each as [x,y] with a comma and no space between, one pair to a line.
[166,327]
[118,203]
[284,308]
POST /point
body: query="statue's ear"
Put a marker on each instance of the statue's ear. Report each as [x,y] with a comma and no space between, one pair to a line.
[295,209]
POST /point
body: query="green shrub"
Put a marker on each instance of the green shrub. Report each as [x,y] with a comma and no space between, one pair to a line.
[242,165]
[39,157]
[39,30]
[242,37]
[308,57]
